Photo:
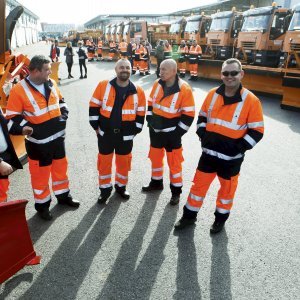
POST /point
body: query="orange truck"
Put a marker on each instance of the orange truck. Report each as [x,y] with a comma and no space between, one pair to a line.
[196,29]
[177,31]
[222,33]
[290,56]
[158,31]
[262,35]
[135,30]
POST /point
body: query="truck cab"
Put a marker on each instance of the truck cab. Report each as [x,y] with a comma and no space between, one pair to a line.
[135,30]
[261,37]
[177,31]
[222,33]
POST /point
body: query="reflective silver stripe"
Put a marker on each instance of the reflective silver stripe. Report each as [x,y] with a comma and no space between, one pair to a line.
[157,177]
[201,125]
[166,109]
[59,192]
[101,132]
[96,101]
[221,155]
[93,118]
[128,137]
[23,122]
[192,208]
[179,184]
[119,183]
[10,124]
[63,105]
[177,175]
[105,176]
[59,182]
[222,210]
[224,201]
[149,113]
[29,95]
[44,200]
[202,113]
[239,107]
[196,198]
[39,192]
[141,108]
[183,126]
[121,176]
[212,103]
[188,108]
[157,169]
[165,129]
[250,140]
[227,124]
[41,111]
[255,124]
[105,186]
[128,112]
[174,101]
[138,125]
[135,102]
[11,112]
[46,140]
[105,98]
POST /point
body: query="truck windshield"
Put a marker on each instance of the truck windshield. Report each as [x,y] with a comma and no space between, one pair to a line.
[220,24]
[175,28]
[119,29]
[113,30]
[256,23]
[295,23]
[107,30]
[192,26]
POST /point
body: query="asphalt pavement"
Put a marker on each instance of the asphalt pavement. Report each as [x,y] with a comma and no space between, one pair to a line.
[129,250]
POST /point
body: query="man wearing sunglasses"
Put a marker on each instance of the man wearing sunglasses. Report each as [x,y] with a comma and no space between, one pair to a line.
[230,122]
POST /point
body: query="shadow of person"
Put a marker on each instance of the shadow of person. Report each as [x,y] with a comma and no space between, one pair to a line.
[220,279]
[14,282]
[120,282]
[187,277]
[38,227]
[72,260]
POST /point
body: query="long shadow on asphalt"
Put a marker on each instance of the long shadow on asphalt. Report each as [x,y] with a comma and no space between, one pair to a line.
[69,265]
[38,227]
[187,276]
[126,281]
[220,278]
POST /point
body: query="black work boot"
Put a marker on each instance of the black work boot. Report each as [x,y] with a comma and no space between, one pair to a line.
[121,190]
[175,199]
[176,191]
[69,201]
[219,222]
[188,218]
[154,185]
[104,195]
[45,214]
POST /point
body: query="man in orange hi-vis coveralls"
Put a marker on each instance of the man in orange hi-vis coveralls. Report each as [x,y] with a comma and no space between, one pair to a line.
[230,122]
[36,102]
[171,110]
[117,113]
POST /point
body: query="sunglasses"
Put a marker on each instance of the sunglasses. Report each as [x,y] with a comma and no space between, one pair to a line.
[232,73]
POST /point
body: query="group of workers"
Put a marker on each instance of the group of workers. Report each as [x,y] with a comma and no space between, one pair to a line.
[230,122]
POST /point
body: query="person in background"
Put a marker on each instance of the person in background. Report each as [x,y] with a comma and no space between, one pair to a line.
[36,102]
[54,51]
[82,57]
[195,53]
[117,112]
[171,111]
[230,122]
[69,58]
[167,50]
[159,54]
[8,157]
[149,50]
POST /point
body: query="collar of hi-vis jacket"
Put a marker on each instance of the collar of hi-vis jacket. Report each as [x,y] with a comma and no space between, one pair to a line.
[131,88]
[48,87]
[174,88]
[230,100]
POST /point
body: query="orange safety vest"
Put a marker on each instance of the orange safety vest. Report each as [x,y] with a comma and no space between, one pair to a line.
[171,106]
[123,46]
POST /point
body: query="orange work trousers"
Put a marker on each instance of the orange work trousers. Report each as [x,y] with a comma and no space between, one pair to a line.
[194,70]
[123,166]
[182,67]
[40,176]
[202,182]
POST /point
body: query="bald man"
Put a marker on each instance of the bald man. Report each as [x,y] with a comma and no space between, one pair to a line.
[171,110]
[117,112]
